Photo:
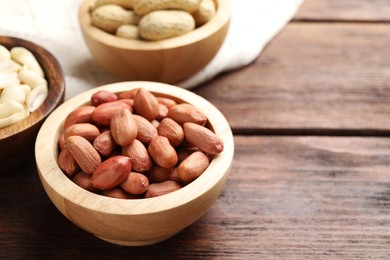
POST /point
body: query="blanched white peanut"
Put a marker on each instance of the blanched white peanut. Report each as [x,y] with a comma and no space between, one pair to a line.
[31,78]
[13,92]
[127,4]
[9,108]
[26,88]
[8,79]
[4,53]
[26,58]
[36,97]
[12,119]
[9,66]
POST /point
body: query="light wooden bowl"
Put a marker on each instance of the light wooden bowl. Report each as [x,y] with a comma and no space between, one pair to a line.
[169,61]
[17,140]
[138,221]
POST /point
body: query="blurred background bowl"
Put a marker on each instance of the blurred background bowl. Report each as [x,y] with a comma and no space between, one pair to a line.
[133,222]
[17,140]
[168,61]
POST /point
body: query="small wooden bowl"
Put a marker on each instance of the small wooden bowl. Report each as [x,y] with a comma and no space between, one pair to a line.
[138,221]
[17,140]
[169,61]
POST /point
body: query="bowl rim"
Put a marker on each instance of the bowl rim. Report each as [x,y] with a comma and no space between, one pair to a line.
[56,84]
[221,17]
[50,174]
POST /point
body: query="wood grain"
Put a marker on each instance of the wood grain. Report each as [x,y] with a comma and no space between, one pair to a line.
[312,78]
[345,10]
[286,198]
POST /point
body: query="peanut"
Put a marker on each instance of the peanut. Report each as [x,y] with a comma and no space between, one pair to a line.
[67,163]
[127,4]
[110,17]
[192,167]
[146,104]
[159,25]
[203,138]
[79,115]
[111,172]
[171,130]
[162,188]
[183,113]
[127,31]
[138,153]
[162,152]
[140,159]
[86,130]
[123,127]
[21,80]
[83,152]
[146,130]
[205,12]
[104,112]
[102,96]
[84,180]
[143,7]
[105,143]
[135,183]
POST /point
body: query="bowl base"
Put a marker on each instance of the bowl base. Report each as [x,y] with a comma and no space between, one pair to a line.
[136,242]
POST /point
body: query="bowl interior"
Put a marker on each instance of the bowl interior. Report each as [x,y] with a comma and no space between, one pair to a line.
[55,180]
[54,77]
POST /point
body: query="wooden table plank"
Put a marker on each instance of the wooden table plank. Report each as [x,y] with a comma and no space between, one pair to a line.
[286,198]
[316,78]
[345,10]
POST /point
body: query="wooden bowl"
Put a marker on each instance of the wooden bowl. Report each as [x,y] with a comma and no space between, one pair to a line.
[169,61]
[133,222]
[17,140]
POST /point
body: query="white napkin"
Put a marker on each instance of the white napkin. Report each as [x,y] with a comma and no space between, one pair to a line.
[54,25]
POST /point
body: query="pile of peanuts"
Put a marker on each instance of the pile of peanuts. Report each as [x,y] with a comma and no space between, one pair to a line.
[23,87]
[135,144]
[151,20]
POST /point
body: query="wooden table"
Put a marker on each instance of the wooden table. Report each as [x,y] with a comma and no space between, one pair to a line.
[311,173]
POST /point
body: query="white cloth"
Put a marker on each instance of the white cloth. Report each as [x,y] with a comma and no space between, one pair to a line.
[54,25]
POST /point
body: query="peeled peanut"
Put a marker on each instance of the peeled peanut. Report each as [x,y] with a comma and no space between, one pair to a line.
[83,152]
[162,152]
[111,172]
[4,53]
[135,183]
[13,92]
[79,115]
[9,66]
[146,130]
[84,180]
[123,127]
[192,167]
[140,158]
[102,96]
[146,104]
[9,78]
[105,143]
[162,188]
[183,113]
[67,163]
[203,138]
[12,119]
[171,130]
[143,7]
[110,17]
[31,78]
[159,25]
[104,112]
